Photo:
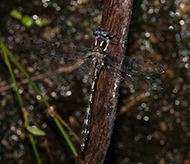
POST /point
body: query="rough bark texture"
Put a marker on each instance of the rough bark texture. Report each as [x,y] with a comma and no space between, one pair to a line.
[116,19]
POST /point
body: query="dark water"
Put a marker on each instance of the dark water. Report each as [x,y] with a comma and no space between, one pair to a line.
[151,127]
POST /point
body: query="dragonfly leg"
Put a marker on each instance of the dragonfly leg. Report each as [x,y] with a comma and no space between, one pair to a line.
[116,43]
[113,36]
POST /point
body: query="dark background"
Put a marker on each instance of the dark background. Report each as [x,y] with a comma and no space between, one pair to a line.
[151,127]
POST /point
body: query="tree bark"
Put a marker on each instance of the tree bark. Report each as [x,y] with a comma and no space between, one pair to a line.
[116,19]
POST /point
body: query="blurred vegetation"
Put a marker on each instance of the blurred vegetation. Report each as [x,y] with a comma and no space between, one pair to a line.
[26,20]
[151,127]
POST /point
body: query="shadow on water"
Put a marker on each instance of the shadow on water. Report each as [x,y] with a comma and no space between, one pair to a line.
[151,127]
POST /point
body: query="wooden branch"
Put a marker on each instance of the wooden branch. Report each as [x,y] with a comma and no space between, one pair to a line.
[116,19]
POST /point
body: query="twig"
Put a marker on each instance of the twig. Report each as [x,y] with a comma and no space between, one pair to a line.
[53,113]
[48,74]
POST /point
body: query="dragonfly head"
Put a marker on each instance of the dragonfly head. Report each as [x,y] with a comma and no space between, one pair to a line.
[101,32]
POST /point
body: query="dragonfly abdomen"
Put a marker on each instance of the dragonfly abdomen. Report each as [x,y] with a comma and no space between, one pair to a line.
[86,125]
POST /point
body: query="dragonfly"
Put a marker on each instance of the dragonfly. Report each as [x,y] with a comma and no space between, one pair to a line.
[133,71]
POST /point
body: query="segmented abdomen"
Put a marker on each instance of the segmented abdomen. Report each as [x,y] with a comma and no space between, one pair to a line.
[86,125]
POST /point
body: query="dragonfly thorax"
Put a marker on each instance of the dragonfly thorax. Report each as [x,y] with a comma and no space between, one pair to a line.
[101,44]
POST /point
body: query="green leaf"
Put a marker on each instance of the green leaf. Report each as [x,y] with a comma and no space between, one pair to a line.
[35,131]
[40,22]
[27,21]
[16,14]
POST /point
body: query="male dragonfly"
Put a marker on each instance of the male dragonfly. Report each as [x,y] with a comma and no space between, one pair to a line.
[134,70]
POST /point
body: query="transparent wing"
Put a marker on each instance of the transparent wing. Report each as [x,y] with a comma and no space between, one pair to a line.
[55,51]
[50,56]
[137,72]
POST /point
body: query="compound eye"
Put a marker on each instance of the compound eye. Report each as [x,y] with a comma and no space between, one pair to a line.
[96,33]
[105,33]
